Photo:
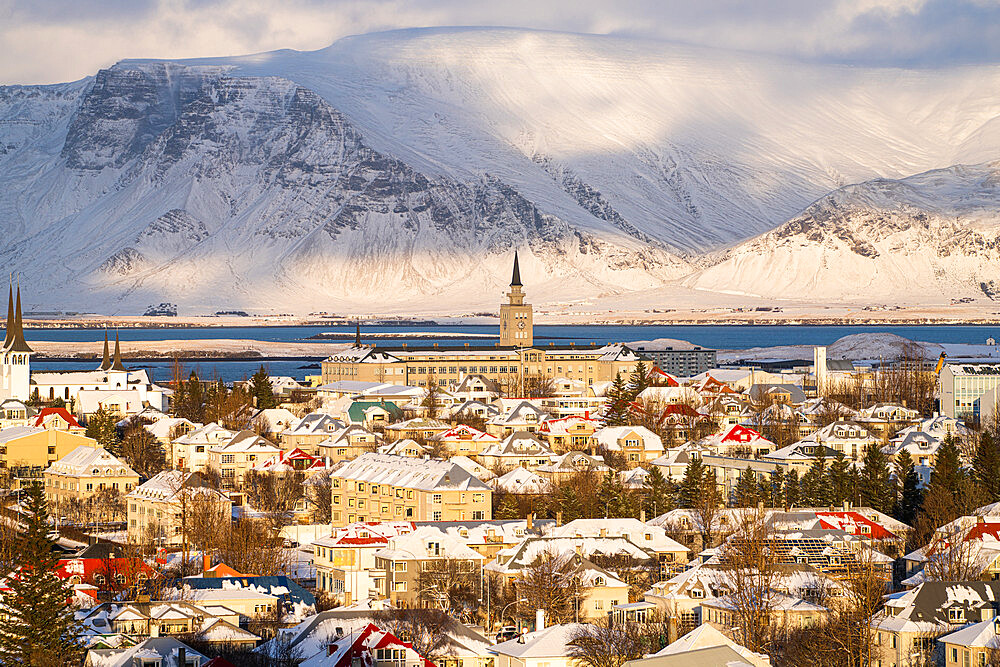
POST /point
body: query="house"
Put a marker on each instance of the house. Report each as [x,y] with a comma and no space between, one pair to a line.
[272,421]
[27,451]
[157,510]
[568,433]
[521,416]
[374,413]
[190,451]
[380,487]
[468,410]
[572,463]
[294,460]
[519,449]
[345,559]
[166,429]
[420,428]
[405,447]
[704,646]
[738,440]
[14,412]
[464,647]
[369,646]
[787,612]
[521,481]
[477,387]
[886,419]
[310,431]
[675,460]
[786,394]
[106,567]
[249,595]
[911,622]
[975,644]
[846,436]
[57,418]
[169,617]
[465,440]
[545,647]
[637,444]
[473,467]
[418,565]
[347,443]
[84,472]
[634,479]
[652,539]
[152,652]
[240,454]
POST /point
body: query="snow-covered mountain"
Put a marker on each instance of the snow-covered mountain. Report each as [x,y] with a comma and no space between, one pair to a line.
[925,238]
[400,170]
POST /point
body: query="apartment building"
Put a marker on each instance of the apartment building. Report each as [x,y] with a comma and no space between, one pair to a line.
[244,450]
[382,487]
[85,471]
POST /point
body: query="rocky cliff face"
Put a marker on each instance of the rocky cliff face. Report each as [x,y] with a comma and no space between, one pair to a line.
[399,172]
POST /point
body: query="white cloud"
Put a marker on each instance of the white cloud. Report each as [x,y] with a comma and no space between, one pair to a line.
[58,40]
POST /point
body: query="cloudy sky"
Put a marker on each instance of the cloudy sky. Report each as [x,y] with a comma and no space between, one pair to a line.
[44,41]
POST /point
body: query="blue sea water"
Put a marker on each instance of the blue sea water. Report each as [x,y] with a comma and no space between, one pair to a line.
[712,336]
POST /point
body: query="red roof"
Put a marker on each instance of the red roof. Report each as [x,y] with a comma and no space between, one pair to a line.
[87,568]
[740,434]
[980,530]
[668,379]
[61,412]
[851,522]
[370,640]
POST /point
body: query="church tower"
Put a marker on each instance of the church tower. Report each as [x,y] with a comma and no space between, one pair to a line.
[15,358]
[515,315]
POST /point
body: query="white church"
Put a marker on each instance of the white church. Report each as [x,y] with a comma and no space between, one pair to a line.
[111,386]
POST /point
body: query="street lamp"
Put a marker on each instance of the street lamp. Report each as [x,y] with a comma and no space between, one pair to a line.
[504,611]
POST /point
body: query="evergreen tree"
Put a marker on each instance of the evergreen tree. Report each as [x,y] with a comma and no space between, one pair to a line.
[102,427]
[568,503]
[195,399]
[910,494]
[691,484]
[777,488]
[611,496]
[38,628]
[617,402]
[660,497]
[639,380]
[746,489]
[814,487]
[792,488]
[986,467]
[875,484]
[262,391]
[839,476]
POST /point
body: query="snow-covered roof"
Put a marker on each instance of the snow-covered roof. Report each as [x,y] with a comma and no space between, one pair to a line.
[653,538]
[88,460]
[552,642]
[427,542]
[611,436]
[409,472]
[519,444]
[521,480]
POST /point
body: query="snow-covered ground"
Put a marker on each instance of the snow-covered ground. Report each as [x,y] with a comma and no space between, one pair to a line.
[870,347]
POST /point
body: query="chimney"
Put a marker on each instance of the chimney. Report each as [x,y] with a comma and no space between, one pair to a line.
[642,515]
[539,619]
[206,562]
[980,519]
[530,521]
[558,518]
[182,656]
[579,549]
[604,532]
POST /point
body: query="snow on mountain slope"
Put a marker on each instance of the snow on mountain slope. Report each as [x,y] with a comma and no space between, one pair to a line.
[925,238]
[398,170]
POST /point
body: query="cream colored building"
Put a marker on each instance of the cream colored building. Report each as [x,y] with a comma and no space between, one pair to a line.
[244,450]
[85,471]
[163,508]
[509,362]
[381,487]
[28,450]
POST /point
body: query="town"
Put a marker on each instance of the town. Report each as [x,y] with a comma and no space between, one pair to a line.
[512,504]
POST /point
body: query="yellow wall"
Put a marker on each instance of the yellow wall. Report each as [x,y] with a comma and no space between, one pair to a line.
[40,450]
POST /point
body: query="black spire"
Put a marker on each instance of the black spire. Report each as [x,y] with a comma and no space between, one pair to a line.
[16,332]
[515,280]
[106,360]
[117,363]
[357,334]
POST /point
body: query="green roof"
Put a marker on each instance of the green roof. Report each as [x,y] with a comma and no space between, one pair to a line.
[356,412]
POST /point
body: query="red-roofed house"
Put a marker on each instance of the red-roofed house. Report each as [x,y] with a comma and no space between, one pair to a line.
[57,418]
[568,433]
[465,441]
[345,560]
[739,439]
[107,574]
[292,460]
[371,646]
[660,377]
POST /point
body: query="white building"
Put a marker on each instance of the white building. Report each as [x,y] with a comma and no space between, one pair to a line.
[15,358]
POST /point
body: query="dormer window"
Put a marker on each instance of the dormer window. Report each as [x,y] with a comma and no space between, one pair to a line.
[956,615]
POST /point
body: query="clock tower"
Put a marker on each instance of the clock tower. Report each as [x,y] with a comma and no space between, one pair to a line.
[515,315]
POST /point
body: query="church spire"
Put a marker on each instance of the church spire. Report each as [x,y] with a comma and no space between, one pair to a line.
[106,360]
[10,315]
[16,331]
[515,279]
[117,364]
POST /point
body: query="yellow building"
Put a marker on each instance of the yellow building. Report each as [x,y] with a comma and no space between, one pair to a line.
[512,359]
[85,471]
[169,507]
[382,487]
[28,450]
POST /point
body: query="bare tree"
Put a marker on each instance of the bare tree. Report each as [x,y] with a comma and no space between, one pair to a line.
[951,557]
[752,568]
[248,546]
[706,507]
[550,584]
[451,585]
[274,494]
[318,489]
[428,630]
[607,644]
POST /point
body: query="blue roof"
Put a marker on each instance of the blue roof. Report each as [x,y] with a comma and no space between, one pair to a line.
[296,593]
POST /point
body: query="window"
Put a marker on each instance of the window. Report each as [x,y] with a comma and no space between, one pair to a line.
[479,515]
[436,498]
[399,586]
[437,516]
